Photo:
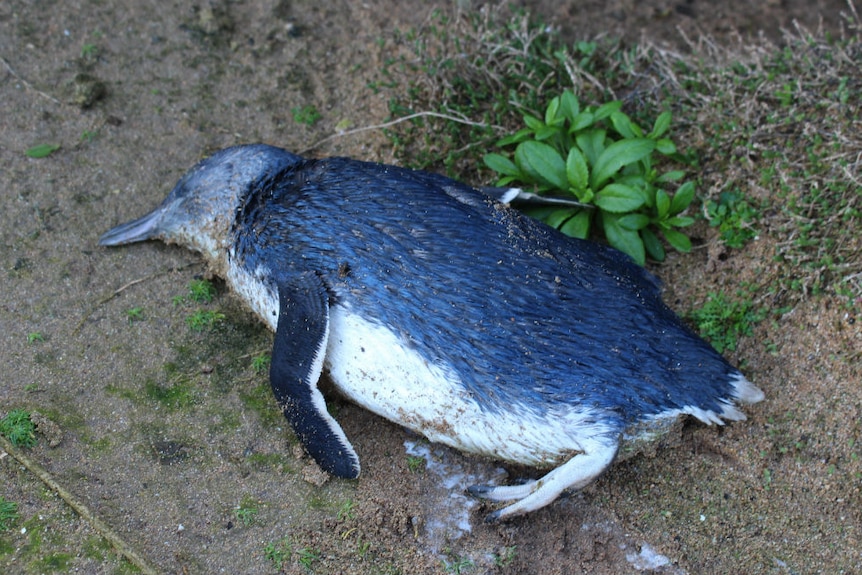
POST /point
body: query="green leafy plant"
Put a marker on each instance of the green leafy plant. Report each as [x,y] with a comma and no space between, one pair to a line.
[307,115]
[18,429]
[204,318]
[416,464]
[307,556]
[134,314]
[733,215]
[201,291]
[278,551]
[246,512]
[260,363]
[458,564]
[8,514]
[347,510]
[722,321]
[604,160]
[34,337]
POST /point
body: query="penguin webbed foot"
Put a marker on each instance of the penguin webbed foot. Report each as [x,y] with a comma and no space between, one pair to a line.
[576,473]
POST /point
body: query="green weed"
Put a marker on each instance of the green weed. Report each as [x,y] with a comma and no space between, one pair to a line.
[734,217]
[134,314]
[279,552]
[198,291]
[307,115]
[18,429]
[602,158]
[204,319]
[416,464]
[246,511]
[8,514]
[458,564]
[347,510]
[201,291]
[34,337]
[260,363]
[722,321]
[307,556]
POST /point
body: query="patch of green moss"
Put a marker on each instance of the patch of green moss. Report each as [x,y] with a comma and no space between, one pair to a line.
[96,548]
[123,392]
[225,421]
[176,396]
[6,548]
[259,399]
[262,461]
[53,562]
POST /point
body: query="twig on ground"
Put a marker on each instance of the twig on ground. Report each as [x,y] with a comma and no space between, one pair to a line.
[100,526]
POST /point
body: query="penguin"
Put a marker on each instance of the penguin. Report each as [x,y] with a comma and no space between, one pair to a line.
[440,307]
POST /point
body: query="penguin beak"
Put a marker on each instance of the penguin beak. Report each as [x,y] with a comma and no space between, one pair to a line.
[144,228]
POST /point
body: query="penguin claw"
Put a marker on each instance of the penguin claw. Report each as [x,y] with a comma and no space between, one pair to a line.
[479,491]
[492,518]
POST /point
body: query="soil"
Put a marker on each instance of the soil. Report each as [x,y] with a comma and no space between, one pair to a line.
[165,432]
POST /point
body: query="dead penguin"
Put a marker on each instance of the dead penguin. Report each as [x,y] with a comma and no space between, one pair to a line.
[440,308]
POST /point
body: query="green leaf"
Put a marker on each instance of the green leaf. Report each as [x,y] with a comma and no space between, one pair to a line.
[577,171]
[616,156]
[544,162]
[578,226]
[665,146]
[42,150]
[623,239]
[623,125]
[680,221]
[672,176]
[618,199]
[653,245]
[569,106]
[662,123]
[585,196]
[501,165]
[551,112]
[678,240]
[515,138]
[682,198]
[581,121]
[547,132]
[534,124]
[592,143]
[607,109]
[634,221]
[559,216]
[662,204]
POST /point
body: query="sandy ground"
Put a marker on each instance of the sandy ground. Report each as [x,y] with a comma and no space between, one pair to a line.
[164,432]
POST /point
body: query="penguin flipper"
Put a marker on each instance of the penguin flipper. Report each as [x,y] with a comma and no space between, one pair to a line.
[297,361]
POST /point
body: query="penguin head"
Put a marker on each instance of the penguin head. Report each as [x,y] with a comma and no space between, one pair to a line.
[200,209]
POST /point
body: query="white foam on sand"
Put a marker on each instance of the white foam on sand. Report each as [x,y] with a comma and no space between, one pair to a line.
[648,559]
[446,506]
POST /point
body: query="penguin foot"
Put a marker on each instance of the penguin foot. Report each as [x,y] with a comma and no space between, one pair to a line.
[576,473]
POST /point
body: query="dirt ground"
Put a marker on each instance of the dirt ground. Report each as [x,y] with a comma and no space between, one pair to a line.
[165,432]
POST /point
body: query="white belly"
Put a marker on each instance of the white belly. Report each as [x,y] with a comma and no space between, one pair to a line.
[370,366]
